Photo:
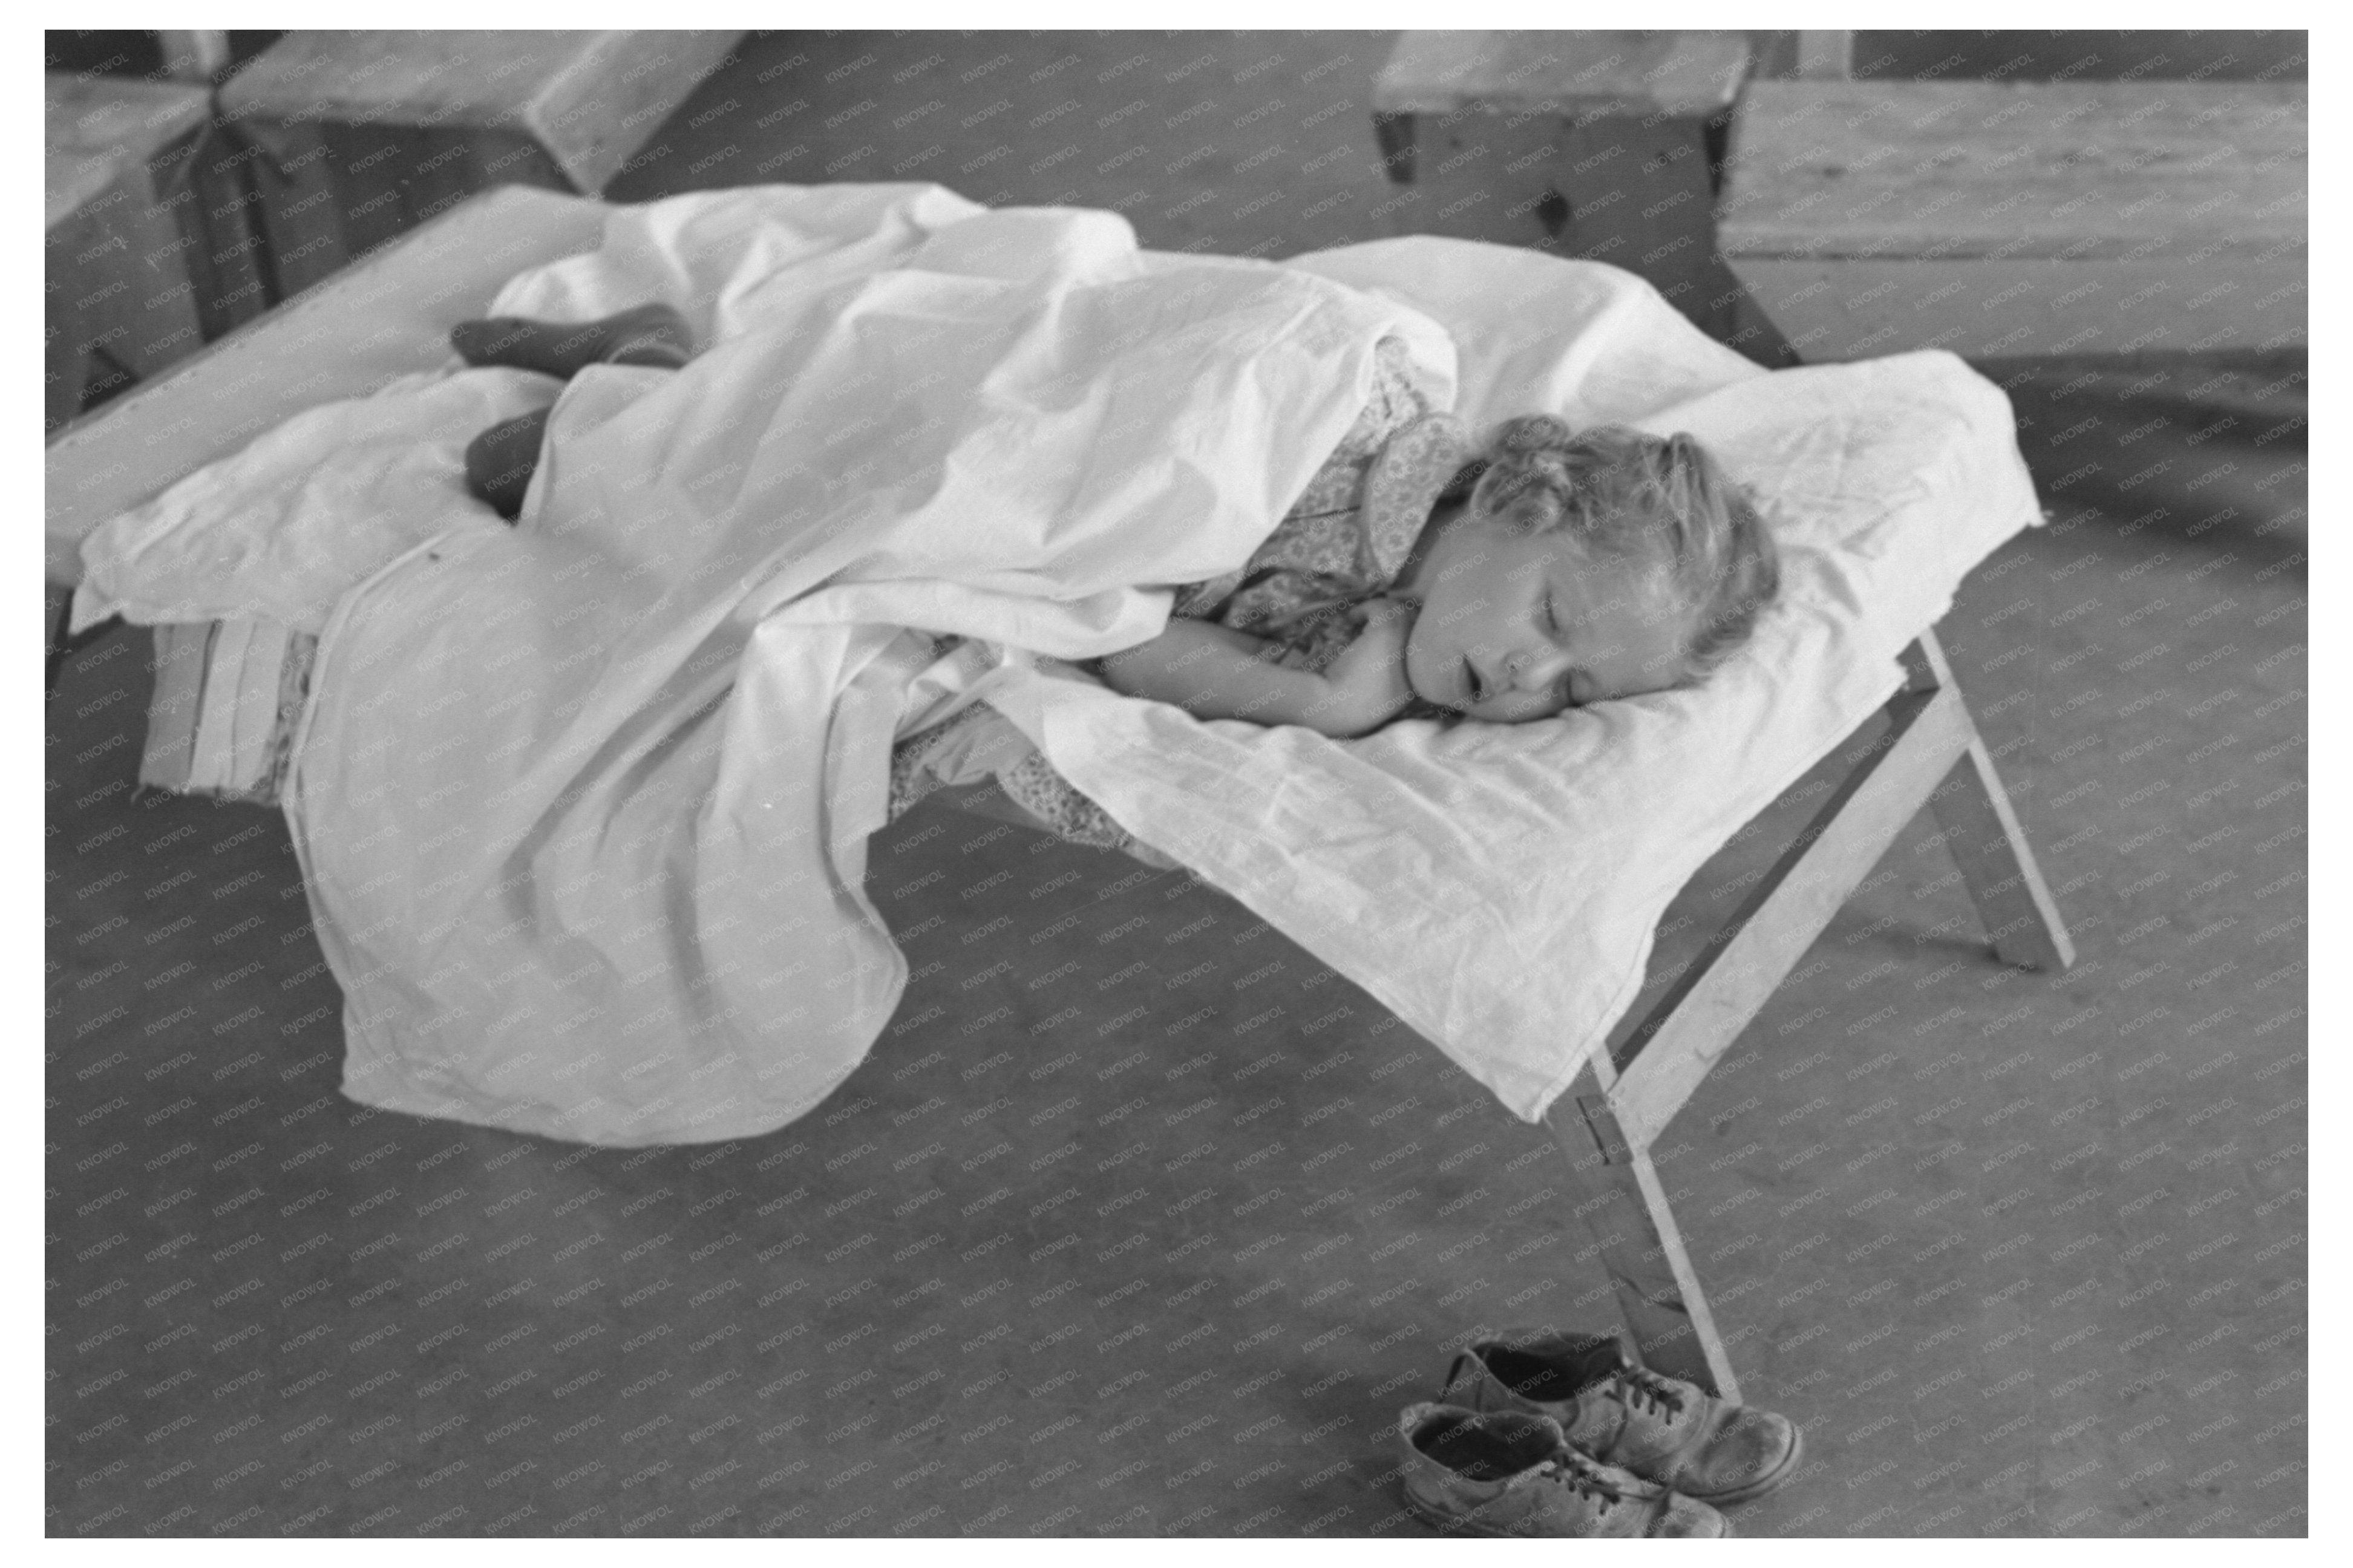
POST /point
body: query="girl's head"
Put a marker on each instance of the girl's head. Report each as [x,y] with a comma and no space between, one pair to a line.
[1581,568]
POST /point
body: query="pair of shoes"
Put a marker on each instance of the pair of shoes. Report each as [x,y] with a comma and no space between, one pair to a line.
[1506,1472]
[1542,1433]
[1662,1429]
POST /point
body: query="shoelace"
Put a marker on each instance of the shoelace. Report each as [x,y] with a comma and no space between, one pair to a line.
[1642,1389]
[1583,1477]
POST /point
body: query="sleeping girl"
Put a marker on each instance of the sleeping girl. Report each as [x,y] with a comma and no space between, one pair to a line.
[1415,578]
[1556,571]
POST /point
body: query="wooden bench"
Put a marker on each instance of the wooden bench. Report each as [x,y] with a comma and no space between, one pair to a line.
[120,220]
[363,135]
[1593,144]
[2004,219]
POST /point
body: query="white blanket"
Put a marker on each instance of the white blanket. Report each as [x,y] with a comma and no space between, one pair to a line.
[582,806]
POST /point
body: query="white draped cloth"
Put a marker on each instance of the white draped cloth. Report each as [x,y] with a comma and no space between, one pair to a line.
[583,807]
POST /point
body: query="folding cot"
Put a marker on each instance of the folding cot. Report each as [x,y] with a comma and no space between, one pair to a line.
[389,317]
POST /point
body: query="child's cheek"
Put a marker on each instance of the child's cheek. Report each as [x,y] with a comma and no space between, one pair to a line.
[1406,656]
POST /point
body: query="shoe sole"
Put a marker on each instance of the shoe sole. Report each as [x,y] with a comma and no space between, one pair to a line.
[1771,1480]
[1464,1524]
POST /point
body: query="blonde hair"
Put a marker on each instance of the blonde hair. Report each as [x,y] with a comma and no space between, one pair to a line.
[1628,496]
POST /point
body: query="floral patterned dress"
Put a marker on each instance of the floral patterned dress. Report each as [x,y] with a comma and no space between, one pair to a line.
[1346,539]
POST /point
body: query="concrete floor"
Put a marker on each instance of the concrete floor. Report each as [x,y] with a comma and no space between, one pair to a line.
[1138,1220]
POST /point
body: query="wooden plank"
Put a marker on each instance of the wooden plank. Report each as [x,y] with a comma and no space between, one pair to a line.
[2073,170]
[194,56]
[1662,1063]
[1633,194]
[387,316]
[98,130]
[1620,1197]
[1826,56]
[1625,73]
[1836,307]
[589,98]
[610,97]
[393,77]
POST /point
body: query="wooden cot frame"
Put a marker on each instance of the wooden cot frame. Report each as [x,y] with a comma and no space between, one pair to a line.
[1621,1105]
[389,315]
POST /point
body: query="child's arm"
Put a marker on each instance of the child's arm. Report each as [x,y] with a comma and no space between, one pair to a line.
[1215,672]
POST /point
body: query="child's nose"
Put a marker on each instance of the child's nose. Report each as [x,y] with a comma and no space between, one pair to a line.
[1537,671]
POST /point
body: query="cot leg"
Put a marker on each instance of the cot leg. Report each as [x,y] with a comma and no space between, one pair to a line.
[1620,1197]
[1999,866]
[1990,846]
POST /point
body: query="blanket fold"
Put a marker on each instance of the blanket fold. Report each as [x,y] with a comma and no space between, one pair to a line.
[583,806]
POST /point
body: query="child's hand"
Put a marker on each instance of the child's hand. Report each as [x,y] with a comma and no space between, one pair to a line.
[1368,680]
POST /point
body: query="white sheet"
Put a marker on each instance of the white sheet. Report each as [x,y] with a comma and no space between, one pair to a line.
[582,806]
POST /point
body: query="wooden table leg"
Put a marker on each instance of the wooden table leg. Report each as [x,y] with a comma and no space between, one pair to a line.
[117,293]
[300,212]
[1394,134]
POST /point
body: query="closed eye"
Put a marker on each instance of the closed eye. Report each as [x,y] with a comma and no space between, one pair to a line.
[1568,681]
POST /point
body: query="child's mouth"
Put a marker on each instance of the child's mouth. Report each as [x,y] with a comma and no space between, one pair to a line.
[1470,682]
